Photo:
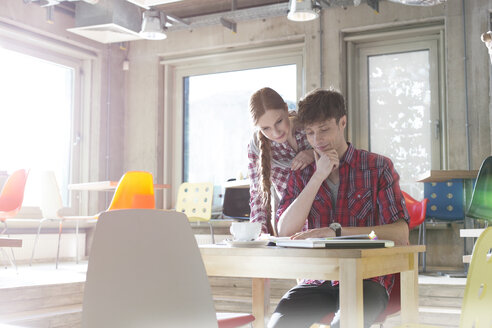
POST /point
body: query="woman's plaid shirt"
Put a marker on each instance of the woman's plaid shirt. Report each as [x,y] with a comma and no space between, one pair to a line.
[282,156]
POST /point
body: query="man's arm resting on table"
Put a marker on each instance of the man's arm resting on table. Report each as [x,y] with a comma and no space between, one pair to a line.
[397,232]
[294,217]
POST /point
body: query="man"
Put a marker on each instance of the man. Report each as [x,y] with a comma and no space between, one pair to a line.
[346,191]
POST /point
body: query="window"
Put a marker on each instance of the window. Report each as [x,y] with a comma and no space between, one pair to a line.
[47,109]
[211,127]
[396,102]
[36,111]
[217,125]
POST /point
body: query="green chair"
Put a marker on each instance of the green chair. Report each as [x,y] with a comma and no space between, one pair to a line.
[481,202]
[475,310]
[480,208]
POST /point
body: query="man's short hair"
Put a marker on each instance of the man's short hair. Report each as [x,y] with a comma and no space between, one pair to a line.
[320,105]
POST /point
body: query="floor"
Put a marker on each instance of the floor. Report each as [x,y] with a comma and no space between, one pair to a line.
[42,274]
[45,274]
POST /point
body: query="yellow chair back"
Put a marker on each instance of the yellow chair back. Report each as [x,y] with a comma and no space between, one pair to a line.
[195,200]
[135,190]
[477,301]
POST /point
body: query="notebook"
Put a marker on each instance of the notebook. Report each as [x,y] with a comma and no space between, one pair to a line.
[334,243]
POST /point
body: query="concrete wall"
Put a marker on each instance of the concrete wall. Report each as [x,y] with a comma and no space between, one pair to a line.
[144,118]
[103,96]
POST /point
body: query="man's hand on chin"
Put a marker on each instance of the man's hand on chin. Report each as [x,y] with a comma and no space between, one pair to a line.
[314,233]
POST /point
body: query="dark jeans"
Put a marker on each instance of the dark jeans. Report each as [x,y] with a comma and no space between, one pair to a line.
[304,305]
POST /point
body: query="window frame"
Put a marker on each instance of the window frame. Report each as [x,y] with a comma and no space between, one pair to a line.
[397,40]
[84,61]
[176,69]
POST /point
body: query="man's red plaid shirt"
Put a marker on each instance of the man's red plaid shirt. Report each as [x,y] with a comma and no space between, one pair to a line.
[369,194]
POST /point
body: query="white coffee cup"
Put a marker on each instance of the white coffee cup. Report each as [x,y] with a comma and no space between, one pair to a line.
[245,231]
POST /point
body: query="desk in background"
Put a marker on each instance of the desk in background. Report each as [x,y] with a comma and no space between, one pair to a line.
[349,266]
[448,191]
[10,242]
[105,186]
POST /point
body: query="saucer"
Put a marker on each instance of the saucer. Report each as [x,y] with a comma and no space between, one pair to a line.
[249,243]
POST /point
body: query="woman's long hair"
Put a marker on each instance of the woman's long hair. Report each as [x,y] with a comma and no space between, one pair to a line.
[261,101]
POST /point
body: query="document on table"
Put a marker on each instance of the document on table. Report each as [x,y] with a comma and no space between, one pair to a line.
[334,243]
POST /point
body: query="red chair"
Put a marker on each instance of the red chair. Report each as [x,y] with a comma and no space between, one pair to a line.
[416,210]
[12,196]
[11,199]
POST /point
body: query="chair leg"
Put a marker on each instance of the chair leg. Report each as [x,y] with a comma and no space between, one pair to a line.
[12,263]
[36,241]
[60,227]
[4,227]
[77,242]
[212,232]
[11,260]
[424,254]
[418,243]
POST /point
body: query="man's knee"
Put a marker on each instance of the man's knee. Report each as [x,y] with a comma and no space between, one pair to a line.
[375,301]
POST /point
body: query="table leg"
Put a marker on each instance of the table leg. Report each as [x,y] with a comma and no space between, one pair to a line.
[410,292]
[351,300]
[261,301]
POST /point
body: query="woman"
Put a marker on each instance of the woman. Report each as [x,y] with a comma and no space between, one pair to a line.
[277,147]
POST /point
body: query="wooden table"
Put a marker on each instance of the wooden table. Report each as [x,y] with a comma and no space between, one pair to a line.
[445,175]
[105,186]
[10,242]
[349,266]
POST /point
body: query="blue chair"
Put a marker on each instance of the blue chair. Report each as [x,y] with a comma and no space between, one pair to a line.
[446,203]
[446,200]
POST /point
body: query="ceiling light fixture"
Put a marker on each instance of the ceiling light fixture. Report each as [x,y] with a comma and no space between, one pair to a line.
[420,2]
[153,25]
[302,10]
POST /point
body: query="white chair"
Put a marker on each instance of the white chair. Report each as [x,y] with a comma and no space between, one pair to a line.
[52,210]
[145,270]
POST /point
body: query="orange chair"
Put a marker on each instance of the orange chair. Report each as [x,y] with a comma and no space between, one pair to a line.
[134,190]
[11,199]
